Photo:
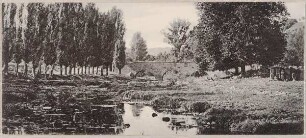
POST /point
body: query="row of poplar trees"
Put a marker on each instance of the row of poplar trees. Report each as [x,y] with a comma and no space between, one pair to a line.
[73,36]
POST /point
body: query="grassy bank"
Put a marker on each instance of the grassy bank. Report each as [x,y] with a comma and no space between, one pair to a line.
[242,106]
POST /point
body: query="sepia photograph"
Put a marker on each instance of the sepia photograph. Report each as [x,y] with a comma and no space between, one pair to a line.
[152,68]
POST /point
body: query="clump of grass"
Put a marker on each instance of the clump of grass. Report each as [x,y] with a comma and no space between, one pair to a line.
[198,107]
[105,85]
[65,83]
[92,83]
[250,126]
[167,102]
[220,118]
[247,126]
[137,95]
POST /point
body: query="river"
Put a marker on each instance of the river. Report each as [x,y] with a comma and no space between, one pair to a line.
[141,122]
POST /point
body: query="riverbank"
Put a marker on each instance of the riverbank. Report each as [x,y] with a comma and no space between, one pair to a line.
[249,104]
[228,106]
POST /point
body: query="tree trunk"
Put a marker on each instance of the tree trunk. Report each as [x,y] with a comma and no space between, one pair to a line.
[102,70]
[97,70]
[119,71]
[61,70]
[46,70]
[52,68]
[17,65]
[82,70]
[78,71]
[33,70]
[39,70]
[113,67]
[74,70]
[66,70]
[6,68]
[106,70]
[93,70]
[243,70]
[25,69]
[236,70]
[110,67]
[85,70]
[70,70]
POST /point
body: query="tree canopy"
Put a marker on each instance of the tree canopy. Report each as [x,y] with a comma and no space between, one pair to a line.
[138,47]
[66,34]
[241,33]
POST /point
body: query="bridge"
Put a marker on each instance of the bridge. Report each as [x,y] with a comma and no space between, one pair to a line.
[160,69]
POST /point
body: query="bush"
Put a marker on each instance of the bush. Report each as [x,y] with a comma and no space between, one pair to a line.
[249,126]
[199,107]
[198,74]
[168,102]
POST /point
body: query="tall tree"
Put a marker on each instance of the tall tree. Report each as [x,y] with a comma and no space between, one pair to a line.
[9,32]
[79,25]
[57,34]
[240,36]
[120,55]
[177,34]
[138,47]
[19,43]
[294,54]
[39,42]
[52,39]
[31,36]
[91,18]
[119,51]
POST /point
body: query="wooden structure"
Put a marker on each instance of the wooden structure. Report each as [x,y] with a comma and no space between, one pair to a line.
[286,73]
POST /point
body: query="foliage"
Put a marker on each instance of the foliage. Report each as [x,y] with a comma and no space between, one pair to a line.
[138,47]
[177,34]
[65,34]
[9,31]
[235,34]
[295,45]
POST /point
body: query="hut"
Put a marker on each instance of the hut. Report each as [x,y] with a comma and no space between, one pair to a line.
[286,73]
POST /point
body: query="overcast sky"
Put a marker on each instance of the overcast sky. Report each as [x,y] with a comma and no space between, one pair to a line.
[151,18]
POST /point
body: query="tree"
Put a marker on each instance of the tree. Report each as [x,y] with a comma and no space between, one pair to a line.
[109,37]
[39,43]
[234,34]
[177,35]
[31,35]
[53,38]
[66,34]
[120,55]
[79,24]
[295,46]
[164,57]
[290,23]
[138,47]
[9,33]
[19,43]
[119,52]
[119,30]
[150,58]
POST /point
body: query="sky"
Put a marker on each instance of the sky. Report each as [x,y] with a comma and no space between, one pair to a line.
[151,18]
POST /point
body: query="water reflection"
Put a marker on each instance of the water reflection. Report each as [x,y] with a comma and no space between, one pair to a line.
[145,124]
[101,119]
